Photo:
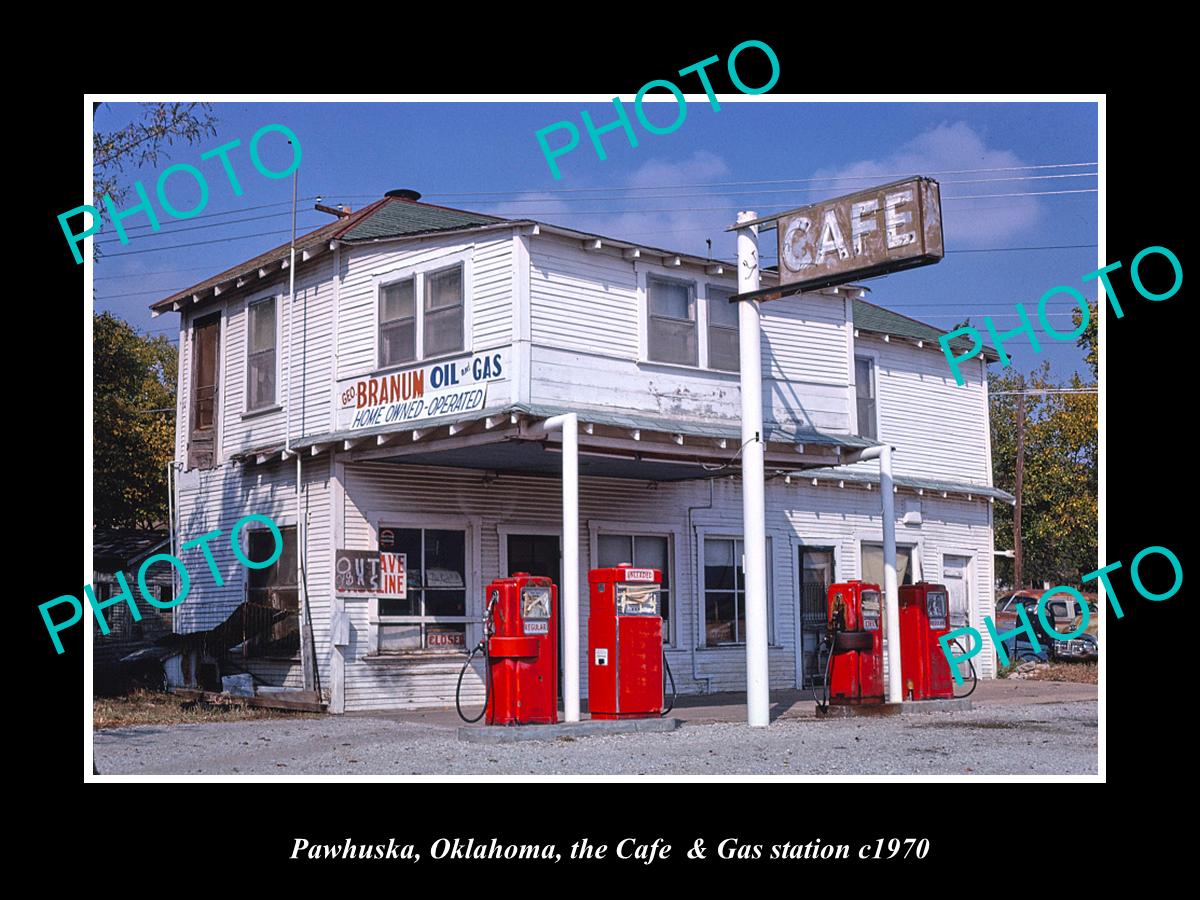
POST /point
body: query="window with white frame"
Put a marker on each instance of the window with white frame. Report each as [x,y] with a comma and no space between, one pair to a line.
[260,354]
[433,615]
[422,316]
[864,392]
[646,551]
[725,591]
[723,351]
[397,322]
[671,334]
[872,564]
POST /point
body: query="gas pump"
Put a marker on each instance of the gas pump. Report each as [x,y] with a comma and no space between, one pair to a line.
[924,618]
[854,642]
[625,647]
[520,653]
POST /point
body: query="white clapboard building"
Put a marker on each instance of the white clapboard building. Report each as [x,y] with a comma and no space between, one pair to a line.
[395,402]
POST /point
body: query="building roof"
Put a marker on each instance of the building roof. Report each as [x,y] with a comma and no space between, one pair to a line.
[399,217]
[869,317]
[932,485]
[405,217]
[114,549]
[389,217]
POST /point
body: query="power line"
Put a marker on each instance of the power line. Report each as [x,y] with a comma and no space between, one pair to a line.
[757,192]
[233,212]
[1046,391]
[733,183]
[594,212]
[240,237]
[171,231]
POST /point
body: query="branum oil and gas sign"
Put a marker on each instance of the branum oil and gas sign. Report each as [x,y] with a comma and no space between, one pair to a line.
[406,396]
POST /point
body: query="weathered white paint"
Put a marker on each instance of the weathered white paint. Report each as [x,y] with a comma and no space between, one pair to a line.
[573,322]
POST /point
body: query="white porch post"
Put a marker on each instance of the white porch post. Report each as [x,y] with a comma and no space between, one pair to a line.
[569,593]
[891,591]
[753,501]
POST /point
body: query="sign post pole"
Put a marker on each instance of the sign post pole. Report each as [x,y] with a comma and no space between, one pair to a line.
[754,536]
[872,232]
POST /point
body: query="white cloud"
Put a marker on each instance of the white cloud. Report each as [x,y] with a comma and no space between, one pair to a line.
[684,225]
[947,148]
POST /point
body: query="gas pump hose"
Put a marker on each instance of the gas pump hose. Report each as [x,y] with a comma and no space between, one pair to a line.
[828,660]
[487,668]
[674,693]
[974,674]
[487,682]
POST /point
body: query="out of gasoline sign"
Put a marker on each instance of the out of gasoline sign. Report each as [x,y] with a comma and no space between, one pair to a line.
[883,229]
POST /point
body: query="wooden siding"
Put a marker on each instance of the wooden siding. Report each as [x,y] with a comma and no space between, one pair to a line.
[822,515]
[489,292]
[938,428]
[588,321]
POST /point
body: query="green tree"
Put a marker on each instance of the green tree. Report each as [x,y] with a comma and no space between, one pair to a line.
[1090,339]
[140,142]
[1059,513]
[133,402]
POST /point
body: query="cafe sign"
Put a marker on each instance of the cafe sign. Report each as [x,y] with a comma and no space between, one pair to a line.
[883,229]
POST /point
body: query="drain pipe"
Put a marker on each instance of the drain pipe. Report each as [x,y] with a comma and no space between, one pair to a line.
[569,426]
[891,591]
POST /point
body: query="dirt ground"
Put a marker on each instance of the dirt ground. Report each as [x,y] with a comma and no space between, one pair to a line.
[1015,727]
[157,708]
[1073,672]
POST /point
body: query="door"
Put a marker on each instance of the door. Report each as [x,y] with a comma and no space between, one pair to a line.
[202,441]
[816,568]
[956,574]
[539,554]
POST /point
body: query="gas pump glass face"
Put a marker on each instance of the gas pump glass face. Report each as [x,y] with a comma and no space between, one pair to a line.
[535,603]
[870,610]
[935,605]
[637,599]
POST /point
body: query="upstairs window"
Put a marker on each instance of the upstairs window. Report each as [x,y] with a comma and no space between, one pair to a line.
[723,351]
[397,323]
[260,354]
[444,311]
[864,391]
[672,333]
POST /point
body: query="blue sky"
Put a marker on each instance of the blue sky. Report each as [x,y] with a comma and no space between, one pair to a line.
[354,152]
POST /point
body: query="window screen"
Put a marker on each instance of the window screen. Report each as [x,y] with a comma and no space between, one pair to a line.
[722,331]
[397,323]
[672,332]
[864,389]
[260,354]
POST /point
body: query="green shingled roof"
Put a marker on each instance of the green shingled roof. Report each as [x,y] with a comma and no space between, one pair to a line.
[869,317]
[399,217]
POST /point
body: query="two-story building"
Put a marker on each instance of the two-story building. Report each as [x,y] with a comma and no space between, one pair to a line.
[394,401]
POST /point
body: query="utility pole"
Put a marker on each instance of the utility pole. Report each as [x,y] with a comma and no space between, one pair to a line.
[1018,556]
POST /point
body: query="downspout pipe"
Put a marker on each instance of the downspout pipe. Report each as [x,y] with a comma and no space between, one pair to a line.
[568,424]
[891,590]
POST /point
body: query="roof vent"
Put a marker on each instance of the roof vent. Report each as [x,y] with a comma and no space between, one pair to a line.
[404,194]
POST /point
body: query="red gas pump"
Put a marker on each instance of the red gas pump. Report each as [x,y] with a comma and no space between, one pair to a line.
[625,647]
[520,652]
[854,671]
[924,617]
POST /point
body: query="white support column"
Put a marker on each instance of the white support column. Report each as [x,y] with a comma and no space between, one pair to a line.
[754,529]
[569,593]
[891,590]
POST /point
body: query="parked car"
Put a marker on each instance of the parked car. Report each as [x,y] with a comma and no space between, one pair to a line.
[1062,613]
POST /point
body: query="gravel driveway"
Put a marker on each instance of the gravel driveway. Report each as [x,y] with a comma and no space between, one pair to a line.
[1046,738]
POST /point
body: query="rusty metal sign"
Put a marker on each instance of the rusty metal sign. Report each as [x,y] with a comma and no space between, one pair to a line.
[882,229]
